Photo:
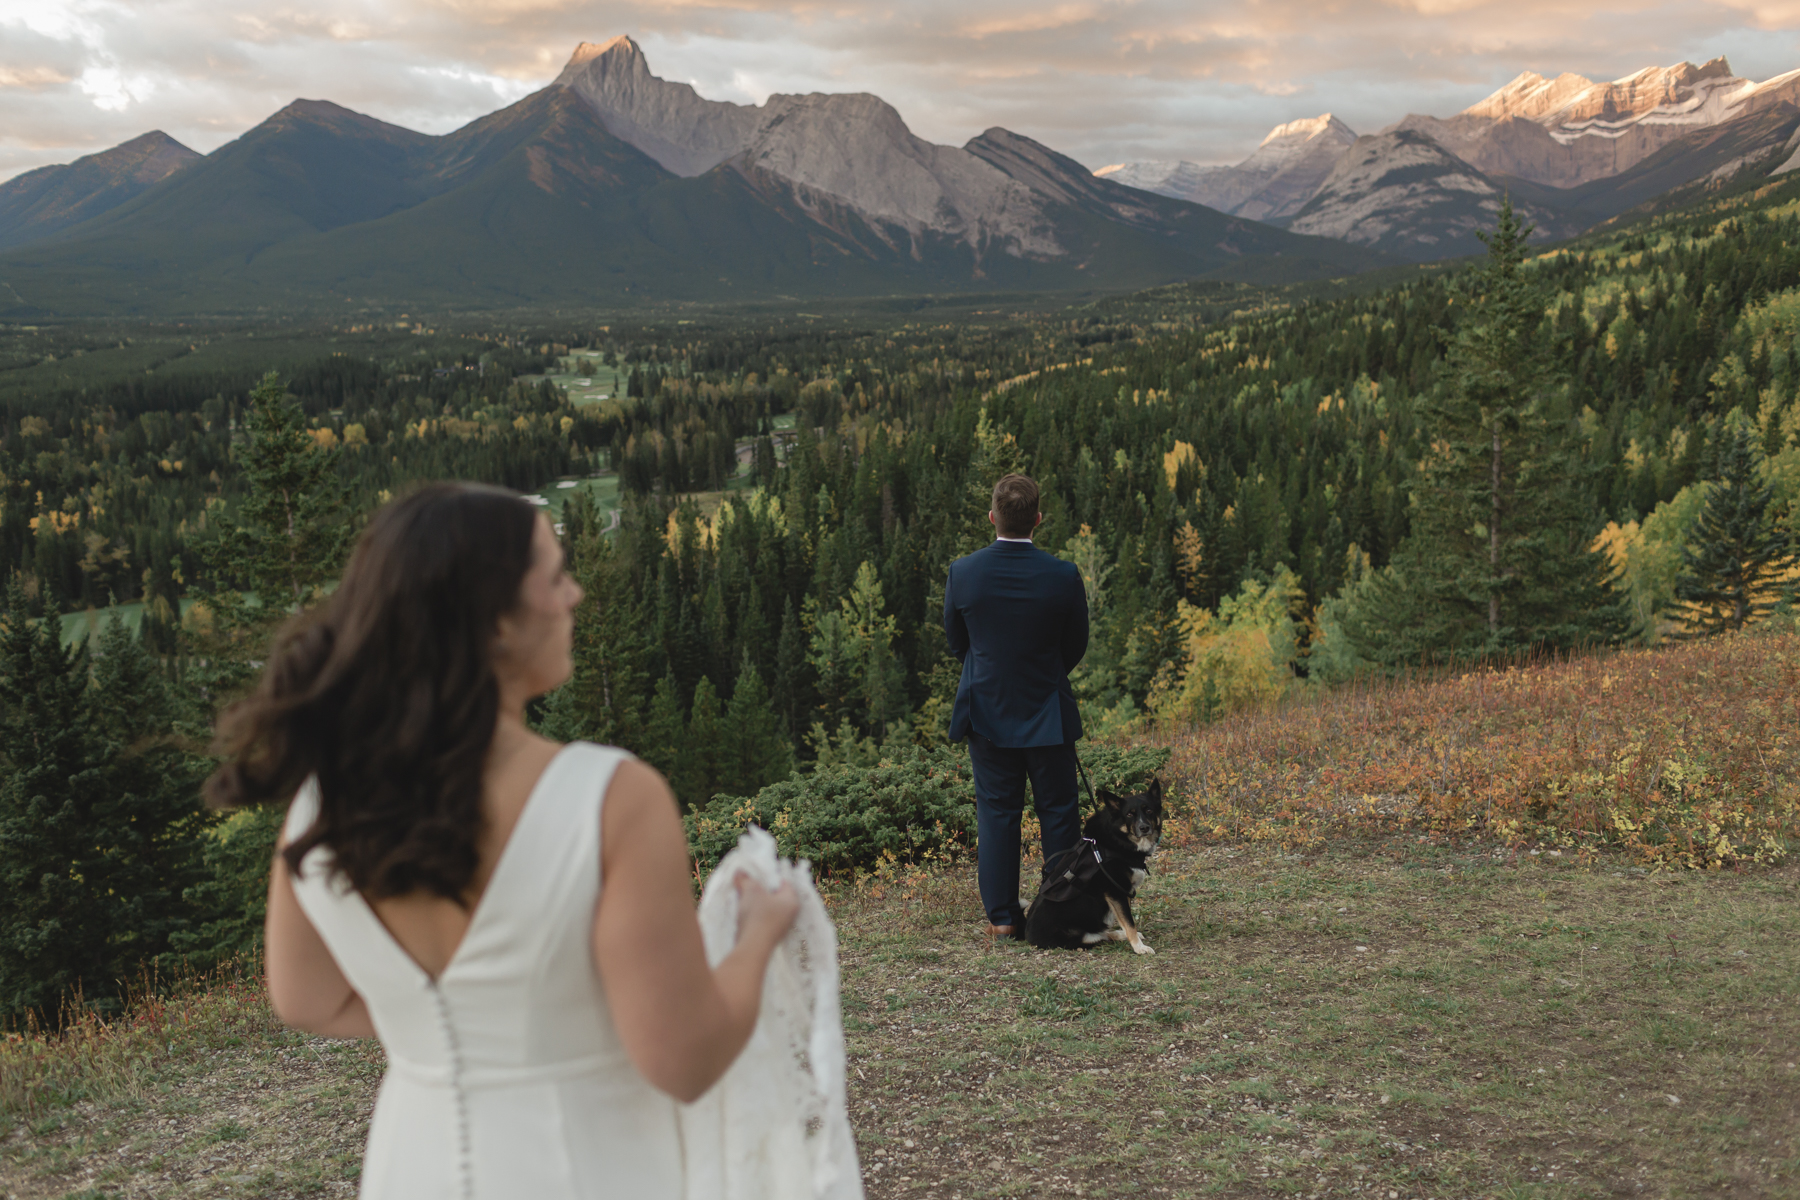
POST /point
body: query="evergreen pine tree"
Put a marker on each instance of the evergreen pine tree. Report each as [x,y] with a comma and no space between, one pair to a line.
[996,455]
[756,751]
[1736,553]
[151,816]
[275,555]
[1499,558]
[792,693]
[665,730]
[604,699]
[98,816]
[289,533]
[53,927]
[852,652]
[698,770]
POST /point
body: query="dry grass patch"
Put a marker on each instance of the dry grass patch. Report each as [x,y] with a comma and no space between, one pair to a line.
[1427,1024]
[1684,755]
[1390,1019]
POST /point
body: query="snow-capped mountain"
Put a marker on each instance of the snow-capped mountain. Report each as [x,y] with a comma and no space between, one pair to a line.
[1570,130]
[1273,183]
[1168,177]
[1584,151]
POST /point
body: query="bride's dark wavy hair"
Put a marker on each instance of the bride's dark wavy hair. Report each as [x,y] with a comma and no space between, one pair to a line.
[386,691]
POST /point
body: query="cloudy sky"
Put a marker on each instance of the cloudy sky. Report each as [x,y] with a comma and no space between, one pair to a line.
[1102,80]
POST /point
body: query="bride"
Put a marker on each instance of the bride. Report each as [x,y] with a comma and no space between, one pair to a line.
[511,917]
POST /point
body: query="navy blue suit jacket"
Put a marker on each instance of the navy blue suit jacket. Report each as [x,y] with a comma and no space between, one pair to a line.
[1017,617]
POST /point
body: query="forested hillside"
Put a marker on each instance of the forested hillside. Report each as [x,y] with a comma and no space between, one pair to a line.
[1251,481]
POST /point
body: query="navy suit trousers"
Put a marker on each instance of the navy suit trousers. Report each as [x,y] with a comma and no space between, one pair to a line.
[1000,776]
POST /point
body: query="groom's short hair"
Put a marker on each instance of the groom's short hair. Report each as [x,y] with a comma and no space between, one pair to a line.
[1015,505]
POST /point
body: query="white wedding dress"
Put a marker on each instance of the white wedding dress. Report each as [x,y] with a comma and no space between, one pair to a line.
[505,1075]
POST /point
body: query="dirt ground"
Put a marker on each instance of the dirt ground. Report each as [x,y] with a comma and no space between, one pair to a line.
[1387,1021]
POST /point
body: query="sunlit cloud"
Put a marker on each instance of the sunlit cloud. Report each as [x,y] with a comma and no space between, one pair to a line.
[1101,80]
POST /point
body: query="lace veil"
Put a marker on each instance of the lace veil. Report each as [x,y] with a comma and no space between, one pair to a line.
[776,1127]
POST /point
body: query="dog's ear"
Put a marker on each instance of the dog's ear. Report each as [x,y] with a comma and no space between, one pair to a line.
[1155,793]
[1108,800]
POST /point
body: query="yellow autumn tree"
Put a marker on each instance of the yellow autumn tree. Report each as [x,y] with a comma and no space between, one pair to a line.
[1240,657]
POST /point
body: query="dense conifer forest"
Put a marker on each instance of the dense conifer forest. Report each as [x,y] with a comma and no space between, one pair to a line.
[1265,490]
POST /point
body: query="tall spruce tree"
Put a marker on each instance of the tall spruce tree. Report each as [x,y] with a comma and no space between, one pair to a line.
[604,699]
[756,750]
[151,816]
[1733,559]
[792,688]
[286,541]
[55,924]
[665,730]
[698,771]
[274,556]
[1499,558]
[98,815]
[852,651]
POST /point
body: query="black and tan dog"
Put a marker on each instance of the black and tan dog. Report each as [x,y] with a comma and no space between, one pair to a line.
[1085,897]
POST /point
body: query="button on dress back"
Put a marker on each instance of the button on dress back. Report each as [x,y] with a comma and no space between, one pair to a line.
[506,1077]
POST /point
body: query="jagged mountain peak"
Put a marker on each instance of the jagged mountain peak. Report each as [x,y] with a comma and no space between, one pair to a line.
[1530,95]
[1277,178]
[1570,98]
[1682,74]
[1307,128]
[620,52]
[671,122]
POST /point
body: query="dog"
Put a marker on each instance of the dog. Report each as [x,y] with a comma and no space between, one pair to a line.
[1085,896]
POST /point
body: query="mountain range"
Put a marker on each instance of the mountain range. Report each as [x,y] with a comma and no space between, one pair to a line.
[1570,151]
[612,186]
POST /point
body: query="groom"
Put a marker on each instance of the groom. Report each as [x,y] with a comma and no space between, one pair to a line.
[1017,618]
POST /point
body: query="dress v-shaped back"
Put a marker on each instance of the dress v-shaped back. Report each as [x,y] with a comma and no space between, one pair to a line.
[494,879]
[506,1077]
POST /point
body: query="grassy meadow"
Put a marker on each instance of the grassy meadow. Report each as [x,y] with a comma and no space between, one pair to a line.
[1524,933]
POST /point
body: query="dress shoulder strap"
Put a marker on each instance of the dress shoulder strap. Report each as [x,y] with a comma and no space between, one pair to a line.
[564,815]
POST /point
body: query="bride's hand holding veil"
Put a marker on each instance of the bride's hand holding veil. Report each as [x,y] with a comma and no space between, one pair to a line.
[682,1022]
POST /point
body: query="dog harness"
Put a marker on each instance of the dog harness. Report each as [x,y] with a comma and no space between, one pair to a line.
[1074,869]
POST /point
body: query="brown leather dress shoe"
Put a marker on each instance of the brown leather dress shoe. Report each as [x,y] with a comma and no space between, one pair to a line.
[1002,931]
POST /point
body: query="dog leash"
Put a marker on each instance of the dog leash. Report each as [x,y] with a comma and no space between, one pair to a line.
[1086,782]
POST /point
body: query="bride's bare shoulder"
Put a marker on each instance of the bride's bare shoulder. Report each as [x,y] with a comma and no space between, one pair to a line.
[636,788]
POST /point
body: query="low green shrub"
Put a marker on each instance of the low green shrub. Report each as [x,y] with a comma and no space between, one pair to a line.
[910,808]
[845,818]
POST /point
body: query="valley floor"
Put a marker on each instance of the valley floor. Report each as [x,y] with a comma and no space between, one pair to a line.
[1379,1020]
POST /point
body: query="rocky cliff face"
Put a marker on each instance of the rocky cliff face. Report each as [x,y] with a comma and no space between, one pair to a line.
[838,150]
[1403,193]
[856,150]
[1291,165]
[1577,151]
[670,122]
